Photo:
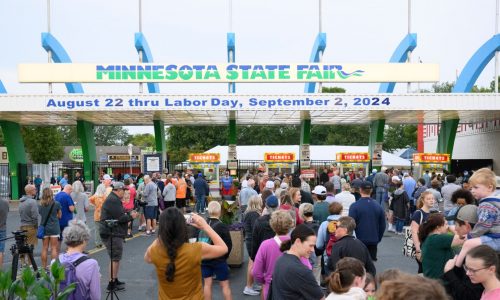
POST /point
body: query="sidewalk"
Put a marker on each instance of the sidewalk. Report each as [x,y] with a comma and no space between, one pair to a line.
[13,205]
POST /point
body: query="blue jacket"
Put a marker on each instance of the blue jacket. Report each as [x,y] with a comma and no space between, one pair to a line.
[370,220]
[200,186]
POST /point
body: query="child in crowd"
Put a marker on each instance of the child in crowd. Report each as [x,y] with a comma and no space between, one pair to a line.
[487,229]
[370,287]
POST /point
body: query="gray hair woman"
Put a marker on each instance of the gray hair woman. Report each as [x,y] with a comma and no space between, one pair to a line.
[81,201]
[76,237]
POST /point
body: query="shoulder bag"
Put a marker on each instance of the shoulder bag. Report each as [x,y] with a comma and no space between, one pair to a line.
[40,234]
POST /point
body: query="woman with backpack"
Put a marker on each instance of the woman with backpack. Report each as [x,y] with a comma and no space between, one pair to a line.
[424,205]
[400,205]
[79,268]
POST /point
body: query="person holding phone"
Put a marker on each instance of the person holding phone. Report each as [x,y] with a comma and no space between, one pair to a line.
[178,262]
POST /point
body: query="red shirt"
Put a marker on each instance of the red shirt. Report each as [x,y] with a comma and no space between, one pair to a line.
[130,205]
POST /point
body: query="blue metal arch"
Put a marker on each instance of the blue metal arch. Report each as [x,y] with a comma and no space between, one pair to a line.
[319,47]
[464,84]
[59,55]
[231,47]
[400,55]
[476,65]
[141,44]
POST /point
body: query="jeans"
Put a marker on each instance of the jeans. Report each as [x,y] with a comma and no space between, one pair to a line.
[97,238]
[200,203]
[399,224]
[379,194]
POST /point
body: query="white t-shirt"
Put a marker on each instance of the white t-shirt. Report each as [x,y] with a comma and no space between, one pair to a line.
[354,293]
[346,199]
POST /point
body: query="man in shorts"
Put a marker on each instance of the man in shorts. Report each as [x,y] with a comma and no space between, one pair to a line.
[112,209]
[4,211]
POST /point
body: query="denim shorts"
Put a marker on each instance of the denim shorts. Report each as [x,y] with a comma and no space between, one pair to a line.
[218,268]
[492,242]
[150,212]
[2,243]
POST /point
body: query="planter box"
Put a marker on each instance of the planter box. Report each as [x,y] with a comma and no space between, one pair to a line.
[235,259]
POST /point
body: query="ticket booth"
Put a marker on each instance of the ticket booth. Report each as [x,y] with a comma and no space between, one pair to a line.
[208,165]
[432,162]
[280,162]
[352,161]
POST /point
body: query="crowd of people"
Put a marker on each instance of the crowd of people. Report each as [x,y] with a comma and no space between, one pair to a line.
[303,242]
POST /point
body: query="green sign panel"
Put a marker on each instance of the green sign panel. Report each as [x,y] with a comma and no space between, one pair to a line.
[76,155]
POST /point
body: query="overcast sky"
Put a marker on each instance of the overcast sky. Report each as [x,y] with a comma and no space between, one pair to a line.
[267,31]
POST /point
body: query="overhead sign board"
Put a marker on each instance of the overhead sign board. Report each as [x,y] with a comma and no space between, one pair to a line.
[431,158]
[204,158]
[235,102]
[228,72]
[353,157]
[279,157]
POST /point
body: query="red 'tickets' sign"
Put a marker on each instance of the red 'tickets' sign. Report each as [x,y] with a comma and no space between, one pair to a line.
[204,157]
[353,157]
[431,158]
[279,157]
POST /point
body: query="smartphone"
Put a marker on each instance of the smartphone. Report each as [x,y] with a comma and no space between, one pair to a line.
[189,218]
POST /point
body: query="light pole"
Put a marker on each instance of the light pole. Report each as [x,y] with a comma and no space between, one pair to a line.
[130,146]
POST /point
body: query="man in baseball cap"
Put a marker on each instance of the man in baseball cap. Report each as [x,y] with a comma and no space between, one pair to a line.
[457,283]
[320,212]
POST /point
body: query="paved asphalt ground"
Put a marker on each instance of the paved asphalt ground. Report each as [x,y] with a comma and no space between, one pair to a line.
[141,278]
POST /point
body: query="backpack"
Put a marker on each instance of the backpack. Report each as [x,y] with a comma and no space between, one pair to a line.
[330,232]
[70,277]
[203,236]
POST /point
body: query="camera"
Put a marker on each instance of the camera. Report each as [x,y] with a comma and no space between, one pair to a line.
[20,236]
[189,218]
[111,223]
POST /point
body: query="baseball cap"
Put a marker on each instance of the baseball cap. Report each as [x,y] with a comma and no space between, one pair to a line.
[269,185]
[465,213]
[284,185]
[374,171]
[395,178]
[319,190]
[366,185]
[383,169]
[406,174]
[272,201]
[106,177]
[119,186]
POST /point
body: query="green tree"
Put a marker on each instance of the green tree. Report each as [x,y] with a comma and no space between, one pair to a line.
[104,135]
[400,136]
[43,143]
[268,135]
[145,140]
[185,139]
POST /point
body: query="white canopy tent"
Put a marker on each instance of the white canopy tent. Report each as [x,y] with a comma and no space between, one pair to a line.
[317,153]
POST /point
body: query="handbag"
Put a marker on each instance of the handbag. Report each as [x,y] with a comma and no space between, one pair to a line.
[408,246]
[40,234]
